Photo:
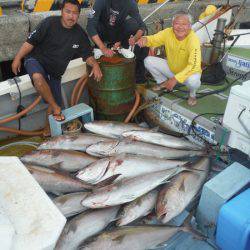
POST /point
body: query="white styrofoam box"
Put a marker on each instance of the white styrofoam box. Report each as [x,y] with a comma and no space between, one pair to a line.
[238,103]
[7,231]
[36,220]
[239,141]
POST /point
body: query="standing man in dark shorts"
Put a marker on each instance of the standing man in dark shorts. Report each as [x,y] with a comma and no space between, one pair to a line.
[49,49]
[108,22]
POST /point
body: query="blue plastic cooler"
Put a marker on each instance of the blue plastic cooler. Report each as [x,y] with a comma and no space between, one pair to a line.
[233,226]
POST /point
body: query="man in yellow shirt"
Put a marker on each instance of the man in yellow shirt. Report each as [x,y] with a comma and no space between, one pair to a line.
[183,51]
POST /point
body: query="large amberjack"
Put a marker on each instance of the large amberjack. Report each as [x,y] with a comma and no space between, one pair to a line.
[161,139]
[134,238]
[111,129]
[57,182]
[128,189]
[181,190]
[126,165]
[116,147]
[138,208]
[84,226]
[77,142]
[70,204]
[69,160]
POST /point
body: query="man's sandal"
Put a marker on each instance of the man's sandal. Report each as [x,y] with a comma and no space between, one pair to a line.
[59,117]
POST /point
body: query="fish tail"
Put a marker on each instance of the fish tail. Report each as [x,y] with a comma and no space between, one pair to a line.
[107,181]
[186,227]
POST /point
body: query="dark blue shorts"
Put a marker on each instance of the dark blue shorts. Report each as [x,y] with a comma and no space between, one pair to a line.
[33,66]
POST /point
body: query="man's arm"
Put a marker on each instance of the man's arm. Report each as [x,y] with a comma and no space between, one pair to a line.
[97,40]
[96,71]
[134,13]
[93,21]
[24,50]
[35,37]
[133,39]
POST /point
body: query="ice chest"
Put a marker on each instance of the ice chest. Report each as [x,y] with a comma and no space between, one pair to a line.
[233,226]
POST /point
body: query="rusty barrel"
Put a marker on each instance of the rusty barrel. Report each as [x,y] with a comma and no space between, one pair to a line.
[113,97]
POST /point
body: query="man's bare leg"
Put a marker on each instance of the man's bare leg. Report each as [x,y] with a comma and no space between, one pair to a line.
[43,89]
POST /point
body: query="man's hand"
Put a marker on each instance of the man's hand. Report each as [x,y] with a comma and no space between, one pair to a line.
[142,42]
[132,40]
[170,84]
[96,71]
[117,45]
[107,52]
[16,66]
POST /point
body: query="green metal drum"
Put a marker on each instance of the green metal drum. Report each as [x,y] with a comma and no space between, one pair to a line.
[113,97]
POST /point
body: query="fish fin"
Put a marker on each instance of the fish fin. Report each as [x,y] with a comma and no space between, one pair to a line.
[166,180]
[107,181]
[186,227]
[182,186]
[56,165]
[119,238]
[56,193]
[187,164]
[107,168]
[192,169]
[116,218]
[154,129]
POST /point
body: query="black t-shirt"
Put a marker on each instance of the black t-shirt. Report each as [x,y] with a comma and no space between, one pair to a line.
[55,46]
[112,14]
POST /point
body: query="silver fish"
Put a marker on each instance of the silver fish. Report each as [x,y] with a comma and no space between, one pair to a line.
[111,129]
[138,208]
[180,191]
[84,226]
[136,238]
[70,204]
[126,165]
[138,148]
[77,142]
[161,139]
[67,160]
[128,190]
[56,181]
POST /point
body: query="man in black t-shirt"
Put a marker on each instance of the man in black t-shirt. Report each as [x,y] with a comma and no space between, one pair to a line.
[49,49]
[108,22]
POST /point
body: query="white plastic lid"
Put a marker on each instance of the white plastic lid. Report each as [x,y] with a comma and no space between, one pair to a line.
[242,90]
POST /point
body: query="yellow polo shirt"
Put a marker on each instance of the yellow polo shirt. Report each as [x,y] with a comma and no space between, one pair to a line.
[184,57]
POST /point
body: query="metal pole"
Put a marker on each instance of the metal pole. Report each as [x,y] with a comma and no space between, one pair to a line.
[192,2]
[217,40]
[147,17]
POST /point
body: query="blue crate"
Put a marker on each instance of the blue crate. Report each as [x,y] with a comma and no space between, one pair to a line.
[233,228]
[216,192]
[80,110]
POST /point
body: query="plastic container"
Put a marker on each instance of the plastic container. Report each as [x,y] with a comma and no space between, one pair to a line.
[233,226]
[70,128]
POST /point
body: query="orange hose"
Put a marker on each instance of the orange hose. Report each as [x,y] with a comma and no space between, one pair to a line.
[21,132]
[76,88]
[137,102]
[81,88]
[20,114]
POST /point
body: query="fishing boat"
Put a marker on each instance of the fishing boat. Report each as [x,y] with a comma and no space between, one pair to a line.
[220,120]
